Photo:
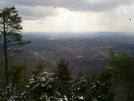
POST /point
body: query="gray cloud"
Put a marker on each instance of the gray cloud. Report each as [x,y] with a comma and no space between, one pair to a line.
[31,12]
[75,5]
[44,8]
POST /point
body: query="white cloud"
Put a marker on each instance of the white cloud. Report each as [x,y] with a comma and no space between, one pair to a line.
[75,15]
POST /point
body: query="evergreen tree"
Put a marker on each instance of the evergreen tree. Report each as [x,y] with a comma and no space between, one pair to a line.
[41,84]
[16,76]
[81,88]
[63,80]
[122,64]
[11,40]
[17,85]
[100,86]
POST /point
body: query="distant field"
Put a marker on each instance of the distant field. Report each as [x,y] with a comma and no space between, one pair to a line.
[85,51]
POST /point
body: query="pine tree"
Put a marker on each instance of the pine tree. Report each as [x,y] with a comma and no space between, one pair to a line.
[100,86]
[11,39]
[41,84]
[122,64]
[63,80]
[81,88]
[17,84]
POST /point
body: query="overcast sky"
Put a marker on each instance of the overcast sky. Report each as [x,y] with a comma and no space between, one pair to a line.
[74,15]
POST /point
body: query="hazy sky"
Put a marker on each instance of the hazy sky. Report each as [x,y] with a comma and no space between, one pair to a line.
[74,15]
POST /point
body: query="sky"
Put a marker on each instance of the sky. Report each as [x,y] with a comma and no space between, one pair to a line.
[74,15]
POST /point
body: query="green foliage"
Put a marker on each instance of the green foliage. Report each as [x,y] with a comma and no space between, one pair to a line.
[63,79]
[16,72]
[10,28]
[82,88]
[100,86]
[41,84]
[123,70]
[58,85]
[17,83]
[62,71]
[11,39]
[10,20]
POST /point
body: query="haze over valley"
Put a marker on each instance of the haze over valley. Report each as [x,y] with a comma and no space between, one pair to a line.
[85,51]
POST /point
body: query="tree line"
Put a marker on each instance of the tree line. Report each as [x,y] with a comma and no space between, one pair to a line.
[21,83]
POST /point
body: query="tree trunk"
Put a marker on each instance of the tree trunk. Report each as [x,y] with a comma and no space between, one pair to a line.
[5,51]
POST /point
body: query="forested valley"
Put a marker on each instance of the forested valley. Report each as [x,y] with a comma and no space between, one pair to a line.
[52,78]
